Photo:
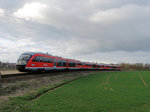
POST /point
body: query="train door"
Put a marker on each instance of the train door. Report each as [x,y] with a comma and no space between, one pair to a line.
[54,63]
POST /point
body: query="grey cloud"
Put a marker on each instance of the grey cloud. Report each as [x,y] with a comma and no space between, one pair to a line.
[75,28]
[129,33]
[117,57]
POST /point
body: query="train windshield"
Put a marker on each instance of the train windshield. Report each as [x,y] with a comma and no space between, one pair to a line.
[25,57]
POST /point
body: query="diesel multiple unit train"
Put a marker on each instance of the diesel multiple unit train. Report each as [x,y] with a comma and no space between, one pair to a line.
[34,61]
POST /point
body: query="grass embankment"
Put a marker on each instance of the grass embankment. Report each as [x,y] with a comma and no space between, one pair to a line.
[101,92]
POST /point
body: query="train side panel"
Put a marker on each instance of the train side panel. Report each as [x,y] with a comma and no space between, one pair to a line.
[40,62]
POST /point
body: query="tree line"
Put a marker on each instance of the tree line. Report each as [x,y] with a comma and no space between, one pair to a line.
[135,66]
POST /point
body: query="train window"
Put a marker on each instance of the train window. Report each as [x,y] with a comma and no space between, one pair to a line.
[88,65]
[36,59]
[54,62]
[93,66]
[71,64]
[79,63]
[64,63]
[44,59]
[59,62]
[25,57]
[47,59]
[50,60]
[41,59]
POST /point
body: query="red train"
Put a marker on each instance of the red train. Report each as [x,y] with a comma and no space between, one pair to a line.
[34,61]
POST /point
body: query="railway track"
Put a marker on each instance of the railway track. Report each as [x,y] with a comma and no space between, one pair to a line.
[12,78]
[12,75]
[3,76]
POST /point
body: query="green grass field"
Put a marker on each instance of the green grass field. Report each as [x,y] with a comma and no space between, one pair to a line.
[100,92]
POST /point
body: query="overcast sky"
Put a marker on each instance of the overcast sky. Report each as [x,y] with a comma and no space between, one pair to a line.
[106,31]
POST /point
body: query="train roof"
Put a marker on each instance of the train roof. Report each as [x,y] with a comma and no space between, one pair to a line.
[32,53]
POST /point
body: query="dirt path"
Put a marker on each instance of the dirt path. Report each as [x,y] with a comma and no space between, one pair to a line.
[143,80]
[107,80]
[116,76]
[106,83]
[111,89]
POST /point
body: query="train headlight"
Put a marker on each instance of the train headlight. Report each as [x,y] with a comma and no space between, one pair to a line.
[19,62]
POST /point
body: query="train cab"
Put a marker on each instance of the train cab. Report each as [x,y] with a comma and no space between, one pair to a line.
[22,61]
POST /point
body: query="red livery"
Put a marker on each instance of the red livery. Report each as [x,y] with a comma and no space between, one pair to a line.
[34,61]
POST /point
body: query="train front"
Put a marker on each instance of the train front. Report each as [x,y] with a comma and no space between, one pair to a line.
[22,62]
